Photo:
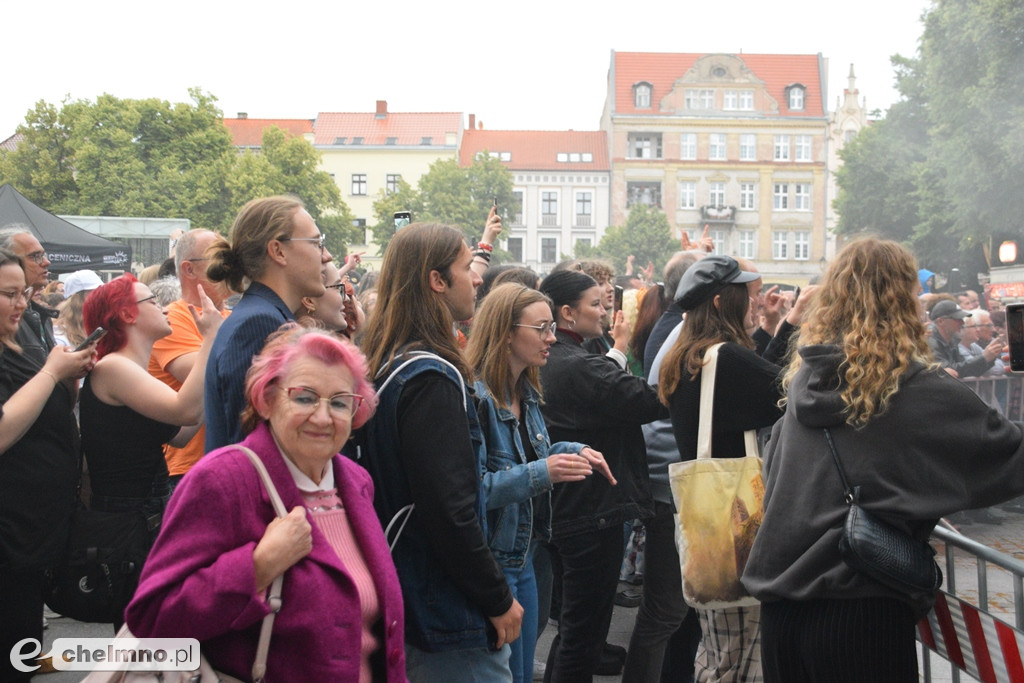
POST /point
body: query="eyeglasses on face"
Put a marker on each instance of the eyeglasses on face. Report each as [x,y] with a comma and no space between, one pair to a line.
[340,286]
[151,297]
[542,330]
[305,401]
[318,240]
[16,295]
[37,257]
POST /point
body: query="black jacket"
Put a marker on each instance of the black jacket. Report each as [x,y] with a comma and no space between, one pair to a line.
[588,398]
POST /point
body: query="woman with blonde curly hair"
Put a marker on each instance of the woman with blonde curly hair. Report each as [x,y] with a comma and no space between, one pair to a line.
[918,443]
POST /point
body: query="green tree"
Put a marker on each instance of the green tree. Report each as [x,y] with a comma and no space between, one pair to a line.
[646,235]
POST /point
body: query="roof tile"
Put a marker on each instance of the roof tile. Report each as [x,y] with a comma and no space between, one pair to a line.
[537,150]
[404,128]
[249,132]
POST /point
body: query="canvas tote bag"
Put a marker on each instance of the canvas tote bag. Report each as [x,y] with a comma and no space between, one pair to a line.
[719,505]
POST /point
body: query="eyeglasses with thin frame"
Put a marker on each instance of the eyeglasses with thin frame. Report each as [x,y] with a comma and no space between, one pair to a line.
[542,330]
[151,297]
[37,257]
[305,401]
[320,241]
[14,295]
[340,286]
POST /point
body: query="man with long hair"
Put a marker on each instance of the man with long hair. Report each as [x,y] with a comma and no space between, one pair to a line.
[425,452]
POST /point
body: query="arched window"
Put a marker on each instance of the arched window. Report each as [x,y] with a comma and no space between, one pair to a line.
[795,97]
[642,95]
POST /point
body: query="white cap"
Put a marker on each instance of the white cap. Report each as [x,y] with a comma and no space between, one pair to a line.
[81,281]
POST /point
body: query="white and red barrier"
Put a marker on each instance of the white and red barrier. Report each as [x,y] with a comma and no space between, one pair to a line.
[973,640]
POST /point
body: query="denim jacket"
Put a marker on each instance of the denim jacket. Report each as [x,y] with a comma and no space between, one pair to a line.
[510,483]
[438,615]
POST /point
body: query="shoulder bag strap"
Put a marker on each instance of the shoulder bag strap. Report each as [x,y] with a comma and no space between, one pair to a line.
[259,667]
[848,493]
[707,400]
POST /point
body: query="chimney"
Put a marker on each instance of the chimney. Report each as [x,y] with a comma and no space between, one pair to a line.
[243,115]
[472,121]
[382,109]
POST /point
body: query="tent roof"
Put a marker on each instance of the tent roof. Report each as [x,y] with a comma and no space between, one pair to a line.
[68,247]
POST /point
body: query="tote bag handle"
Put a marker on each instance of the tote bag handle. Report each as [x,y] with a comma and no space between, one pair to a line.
[707,401]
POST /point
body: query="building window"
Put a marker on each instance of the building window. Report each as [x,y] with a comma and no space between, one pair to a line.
[643,193]
[748,147]
[584,209]
[748,196]
[716,195]
[582,243]
[801,245]
[426,141]
[780,245]
[747,100]
[718,238]
[688,146]
[803,147]
[687,195]
[746,245]
[730,100]
[549,208]
[644,146]
[642,96]
[359,184]
[796,97]
[781,197]
[393,181]
[391,141]
[716,150]
[699,99]
[781,148]
[548,249]
[517,208]
[802,197]
[515,248]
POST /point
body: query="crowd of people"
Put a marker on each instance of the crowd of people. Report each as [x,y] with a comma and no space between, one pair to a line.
[466,452]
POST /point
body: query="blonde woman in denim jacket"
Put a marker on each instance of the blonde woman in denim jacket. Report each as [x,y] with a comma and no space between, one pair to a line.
[512,332]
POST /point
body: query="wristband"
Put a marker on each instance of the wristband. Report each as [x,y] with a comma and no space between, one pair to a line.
[52,376]
[486,247]
[485,255]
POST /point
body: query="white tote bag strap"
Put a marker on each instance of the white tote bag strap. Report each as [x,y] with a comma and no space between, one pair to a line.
[707,400]
[259,667]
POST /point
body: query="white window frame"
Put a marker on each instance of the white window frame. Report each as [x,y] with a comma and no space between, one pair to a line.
[587,197]
[543,201]
[687,194]
[748,196]
[688,146]
[781,148]
[716,194]
[797,98]
[718,238]
[650,149]
[359,182]
[707,99]
[746,244]
[803,148]
[747,100]
[521,240]
[780,197]
[801,245]
[748,147]
[780,245]
[801,196]
[540,248]
[642,96]
[730,100]
[716,147]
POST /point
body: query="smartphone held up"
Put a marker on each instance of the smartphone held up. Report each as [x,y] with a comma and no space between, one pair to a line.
[1015,336]
[402,219]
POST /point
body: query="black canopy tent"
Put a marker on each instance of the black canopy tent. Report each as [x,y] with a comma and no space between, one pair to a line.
[68,247]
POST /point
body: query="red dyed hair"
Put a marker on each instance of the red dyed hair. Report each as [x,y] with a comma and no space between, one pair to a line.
[113,307]
[287,345]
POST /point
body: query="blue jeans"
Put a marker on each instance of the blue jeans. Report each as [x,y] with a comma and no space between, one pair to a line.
[590,576]
[458,666]
[524,587]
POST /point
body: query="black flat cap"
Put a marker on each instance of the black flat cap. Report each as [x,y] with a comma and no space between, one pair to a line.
[708,277]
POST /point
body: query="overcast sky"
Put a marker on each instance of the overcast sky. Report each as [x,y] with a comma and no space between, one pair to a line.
[530,64]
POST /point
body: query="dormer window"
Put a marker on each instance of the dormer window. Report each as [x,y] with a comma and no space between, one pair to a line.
[795,97]
[642,95]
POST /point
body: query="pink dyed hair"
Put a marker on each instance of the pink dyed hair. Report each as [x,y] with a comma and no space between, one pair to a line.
[113,307]
[287,345]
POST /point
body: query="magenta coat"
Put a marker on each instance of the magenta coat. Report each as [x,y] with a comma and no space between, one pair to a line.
[199,581]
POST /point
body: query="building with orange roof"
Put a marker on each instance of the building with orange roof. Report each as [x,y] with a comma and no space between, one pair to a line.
[561,182]
[247,133]
[737,142]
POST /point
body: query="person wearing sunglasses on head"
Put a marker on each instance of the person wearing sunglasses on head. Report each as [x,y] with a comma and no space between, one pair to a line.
[126,414]
[274,256]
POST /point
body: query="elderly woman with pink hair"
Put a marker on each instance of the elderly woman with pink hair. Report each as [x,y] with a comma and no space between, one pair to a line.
[221,545]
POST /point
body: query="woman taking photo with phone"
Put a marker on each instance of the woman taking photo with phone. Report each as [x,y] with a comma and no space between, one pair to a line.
[512,334]
[919,445]
[590,398]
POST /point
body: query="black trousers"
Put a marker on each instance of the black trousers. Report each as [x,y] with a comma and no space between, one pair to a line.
[839,641]
[21,616]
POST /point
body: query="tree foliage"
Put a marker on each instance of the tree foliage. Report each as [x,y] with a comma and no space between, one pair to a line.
[120,157]
[941,172]
[646,235]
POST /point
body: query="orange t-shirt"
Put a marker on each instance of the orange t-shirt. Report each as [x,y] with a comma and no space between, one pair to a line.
[184,338]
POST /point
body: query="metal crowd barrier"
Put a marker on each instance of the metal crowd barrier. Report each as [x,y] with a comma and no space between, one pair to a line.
[965,633]
[1005,392]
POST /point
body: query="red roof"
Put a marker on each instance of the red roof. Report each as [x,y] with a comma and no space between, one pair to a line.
[249,132]
[662,70]
[11,143]
[538,150]
[404,128]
